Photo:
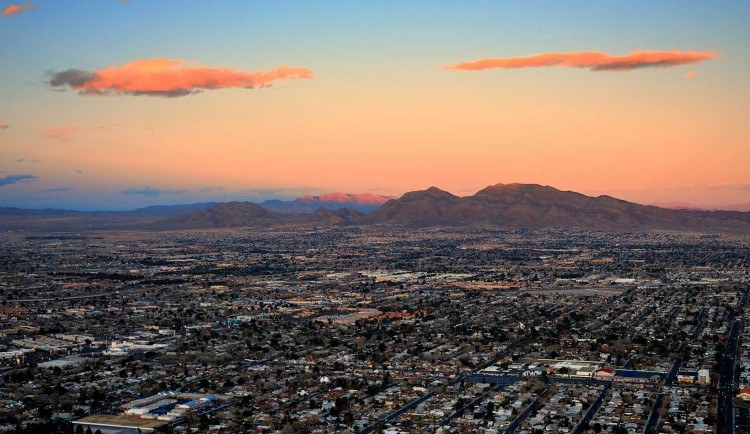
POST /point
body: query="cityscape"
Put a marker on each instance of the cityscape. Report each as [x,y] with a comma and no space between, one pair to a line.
[331,329]
[374,217]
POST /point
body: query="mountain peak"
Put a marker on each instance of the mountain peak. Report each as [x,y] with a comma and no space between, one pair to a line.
[430,192]
[358,199]
[223,214]
[423,207]
[534,206]
[519,187]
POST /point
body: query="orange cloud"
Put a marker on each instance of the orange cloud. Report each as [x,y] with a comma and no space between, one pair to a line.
[690,74]
[593,60]
[15,9]
[4,126]
[168,78]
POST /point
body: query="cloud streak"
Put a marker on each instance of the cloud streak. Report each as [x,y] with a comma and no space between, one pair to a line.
[730,187]
[150,191]
[64,132]
[278,192]
[4,126]
[17,9]
[167,78]
[591,60]
[15,179]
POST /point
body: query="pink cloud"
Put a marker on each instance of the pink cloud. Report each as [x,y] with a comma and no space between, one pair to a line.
[595,61]
[168,78]
[15,8]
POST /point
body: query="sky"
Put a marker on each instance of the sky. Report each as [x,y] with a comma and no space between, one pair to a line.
[113,104]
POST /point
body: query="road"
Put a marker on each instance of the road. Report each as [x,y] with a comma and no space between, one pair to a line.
[725,401]
[673,315]
[472,403]
[525,413]
[72,297]
[673,373]
[382,421]
[699,322]
[653,417]
[411,404]
[583,425]
[80,297]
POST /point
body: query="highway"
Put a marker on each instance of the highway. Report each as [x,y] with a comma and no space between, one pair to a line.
[725,402]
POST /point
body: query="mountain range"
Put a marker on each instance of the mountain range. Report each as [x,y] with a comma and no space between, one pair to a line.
[506,206]
[531,206]
[308,204]
[245,214]
[67,220]
[227,214]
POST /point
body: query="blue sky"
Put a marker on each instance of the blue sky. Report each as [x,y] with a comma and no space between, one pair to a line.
[378,95]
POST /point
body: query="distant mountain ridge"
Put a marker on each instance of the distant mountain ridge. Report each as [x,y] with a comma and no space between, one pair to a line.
[221,215]
[224,216]
[308,204]
[249,214]
[506,206]
[60,219]
[742,207]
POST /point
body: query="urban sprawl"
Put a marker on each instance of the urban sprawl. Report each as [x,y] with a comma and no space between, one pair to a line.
[374,330]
